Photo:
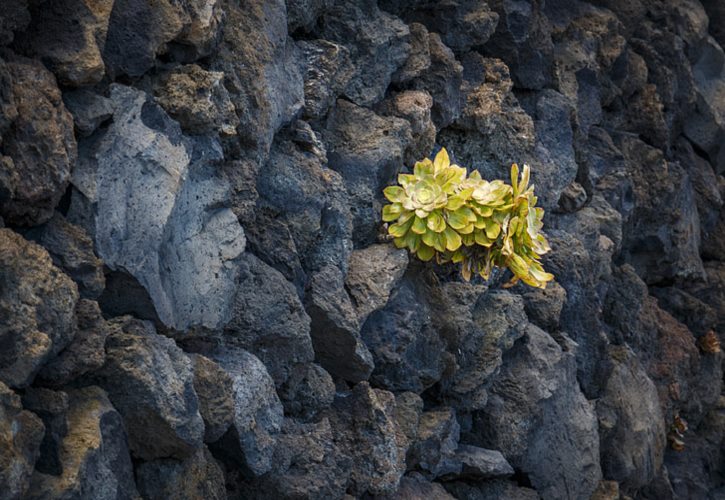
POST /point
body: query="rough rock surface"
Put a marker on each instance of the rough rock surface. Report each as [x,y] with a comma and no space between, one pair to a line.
[37,303]
[190,200]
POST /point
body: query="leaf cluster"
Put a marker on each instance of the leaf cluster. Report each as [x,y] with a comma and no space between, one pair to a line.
[440,211]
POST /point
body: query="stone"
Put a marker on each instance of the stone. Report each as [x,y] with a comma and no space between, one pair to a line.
[71,249]
[21,433]
[38,304]
[150,381]
[418,58]
[214,389]
[414,486]
[497,489]
[364,428]
[716,13]
[368,163]
[40,143]
[436,444]
[311,199]
[308,390]
[478,328]
[374,272]
[139,32]
[406,348]
[94,454]
[335,329]
[198,100]
[257,415]
[52,408]
[442,81]
[327,74]
[69,37]
[86,351]
[631,425]
[378,43]
[307,464]
[572,198]
[463,25]
[474,463]
[408,410]
[414,106]
[198,476]
[175,211]
[15,18]
[262,69]
[89,110]
[269,320]
[543,307]
[559,450]
[303,14]
[662,234]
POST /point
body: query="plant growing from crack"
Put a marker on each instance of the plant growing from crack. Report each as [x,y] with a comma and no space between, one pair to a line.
[440,211]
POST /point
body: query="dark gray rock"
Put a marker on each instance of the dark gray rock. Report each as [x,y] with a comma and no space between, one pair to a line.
[543,307]
[257,416]
[523,40]
[52,408]
[85,353]
[262,69]
[662,234]
[414,486]
[198,100]
[418,58]
[138,32]
[368,151]
[89,110]
[572,198]
[374,272]
[335,329]
[497,489]
[408,410]
[307,464]
[22,433]
[716,12]
[378,43]
[71,250]
[309,389]
[94,454]
[365,429]
[539,419]
[311,198]
[69,37]
[631,425]
[414,106]
[442,81]
[405,345]
[474,463]
[198,476]
[37,302]
[150,381]
[269,320]
[434,449]
[214,388]
[327,74]
[40,143]
[175,211]
[15,18]
[302,14]
[478,329]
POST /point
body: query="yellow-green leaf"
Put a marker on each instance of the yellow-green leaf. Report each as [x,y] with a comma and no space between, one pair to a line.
[392,212]
[453,239]
[425,253]
[436,222]
[399,229]
[441,160]
[394,194]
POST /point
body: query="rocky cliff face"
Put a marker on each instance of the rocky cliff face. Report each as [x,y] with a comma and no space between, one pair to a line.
[196,302]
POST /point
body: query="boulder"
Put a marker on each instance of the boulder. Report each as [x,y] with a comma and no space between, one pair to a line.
[52,408]
[89,110]
[40,143]
[199,476]
[37,302]
[150,381]
[414,486]
[94,454]
[308,391]
[436,443]
[21,433]
[174,211]
[214,389]
[71,249]
[257,416]
[327,73]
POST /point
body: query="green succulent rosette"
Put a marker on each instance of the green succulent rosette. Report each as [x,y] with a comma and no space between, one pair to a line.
[440,211]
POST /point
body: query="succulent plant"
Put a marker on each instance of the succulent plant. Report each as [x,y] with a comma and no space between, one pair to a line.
[440,211]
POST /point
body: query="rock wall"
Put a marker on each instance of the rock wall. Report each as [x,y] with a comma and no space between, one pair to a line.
[197,300]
